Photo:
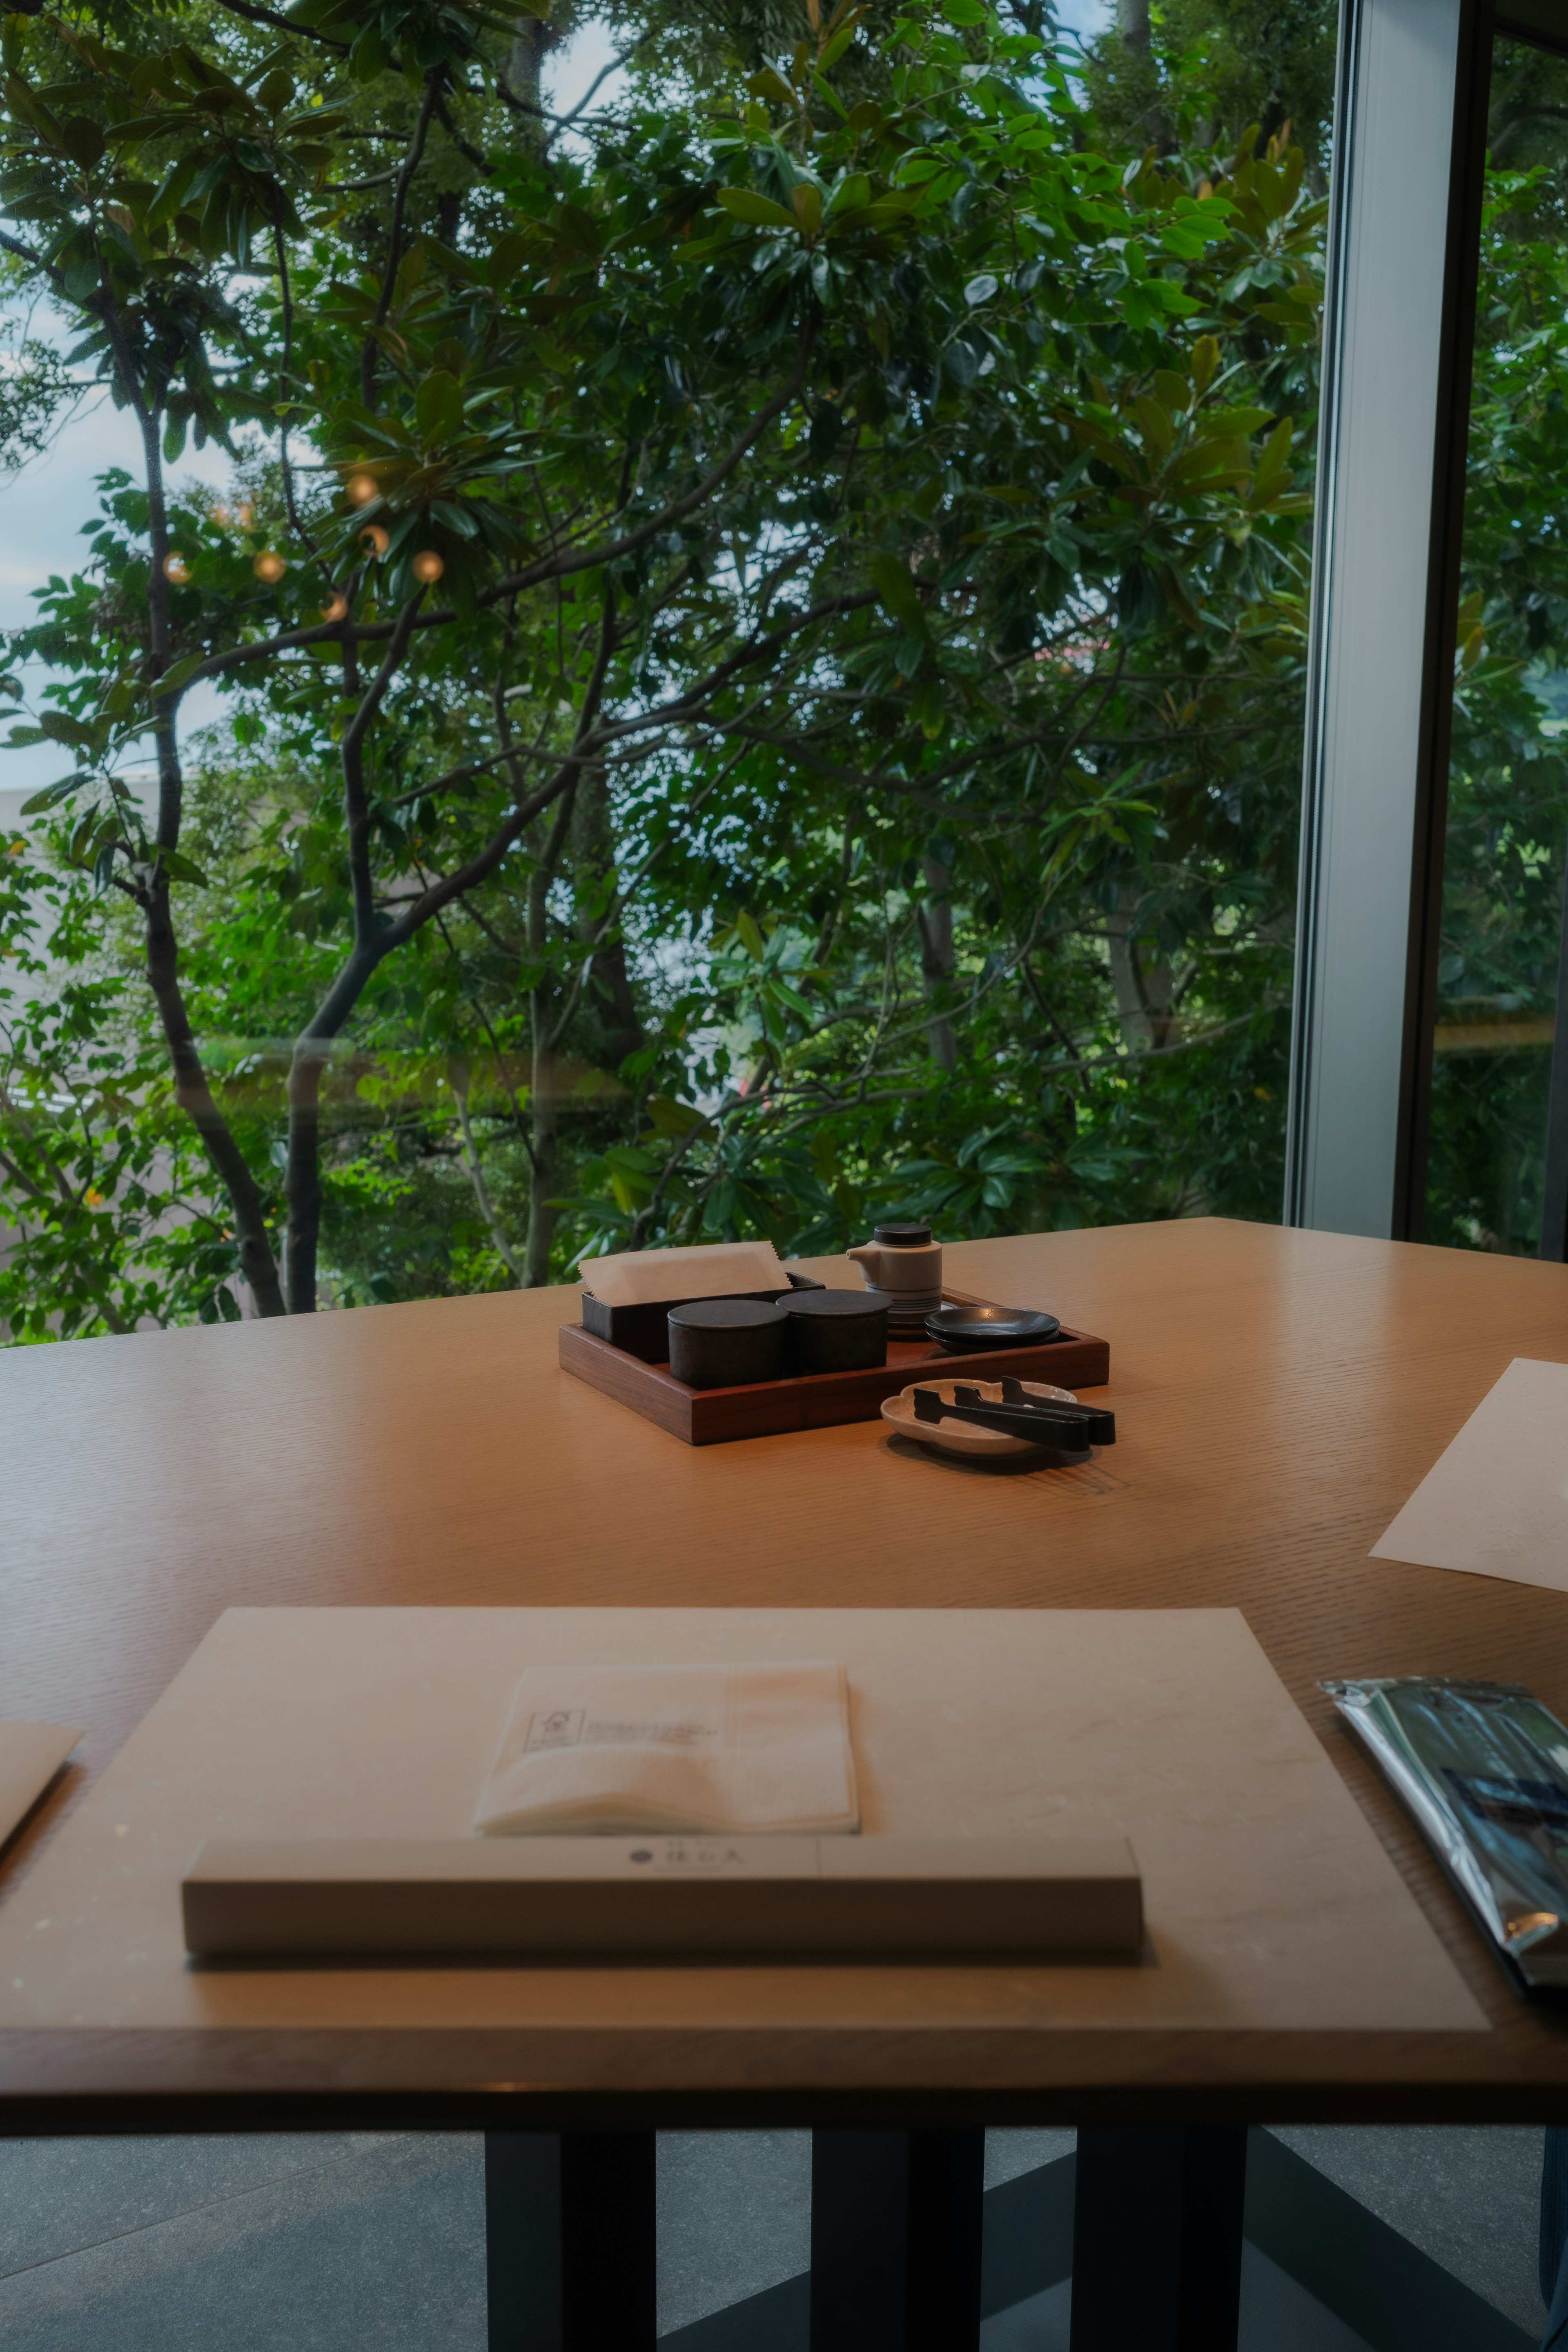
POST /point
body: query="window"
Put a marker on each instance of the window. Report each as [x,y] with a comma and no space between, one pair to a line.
[725,656]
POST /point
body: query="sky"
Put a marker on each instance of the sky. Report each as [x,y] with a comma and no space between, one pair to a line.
[43,509]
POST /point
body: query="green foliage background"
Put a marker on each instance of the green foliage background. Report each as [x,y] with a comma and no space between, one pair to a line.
[814,730]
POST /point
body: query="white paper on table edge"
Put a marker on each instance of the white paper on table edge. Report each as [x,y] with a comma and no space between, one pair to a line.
[1495,1502]
[30,1756]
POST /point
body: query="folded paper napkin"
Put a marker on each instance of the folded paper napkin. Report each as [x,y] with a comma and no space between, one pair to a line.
[699,1270]
[707,1748]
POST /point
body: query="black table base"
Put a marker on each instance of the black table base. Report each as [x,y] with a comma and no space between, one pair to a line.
[569,2242]
[895,2241]
[1156,2239]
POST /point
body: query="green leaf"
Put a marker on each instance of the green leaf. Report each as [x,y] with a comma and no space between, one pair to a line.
[896,592]
[83,141]
[175,677]
[769,84]
[51,796]
[438,406]
[761,211]
[1153,424]
[751,938]
[61,728]
[181,869]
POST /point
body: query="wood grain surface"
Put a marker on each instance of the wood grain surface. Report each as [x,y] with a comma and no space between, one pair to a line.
[1278,1394]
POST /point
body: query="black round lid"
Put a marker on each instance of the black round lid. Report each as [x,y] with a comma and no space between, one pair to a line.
[725,1314]
[865,1303]
[904,1236]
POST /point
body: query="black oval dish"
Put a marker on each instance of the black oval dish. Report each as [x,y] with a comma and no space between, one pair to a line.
[836,1330]
[991,1326]
[719,1343]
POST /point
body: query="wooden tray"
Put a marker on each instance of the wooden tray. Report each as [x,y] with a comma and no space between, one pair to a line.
[818,1400]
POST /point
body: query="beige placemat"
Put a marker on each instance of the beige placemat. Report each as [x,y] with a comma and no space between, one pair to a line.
[1270,1902]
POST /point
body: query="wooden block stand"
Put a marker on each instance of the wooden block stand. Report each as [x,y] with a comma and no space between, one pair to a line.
[818,1400]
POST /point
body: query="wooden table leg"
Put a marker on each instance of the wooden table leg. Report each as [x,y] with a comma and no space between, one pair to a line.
[1157,2239]
[569,2242]
[895,2241]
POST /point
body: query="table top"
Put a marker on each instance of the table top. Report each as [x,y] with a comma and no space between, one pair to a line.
[1278,1395]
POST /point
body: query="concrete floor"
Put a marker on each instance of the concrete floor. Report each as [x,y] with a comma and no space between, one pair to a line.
[375,2242]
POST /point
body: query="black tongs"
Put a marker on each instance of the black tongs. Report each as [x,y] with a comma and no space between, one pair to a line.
[1071,1428]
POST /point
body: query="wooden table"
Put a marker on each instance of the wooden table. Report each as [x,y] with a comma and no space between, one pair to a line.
[1278,1395]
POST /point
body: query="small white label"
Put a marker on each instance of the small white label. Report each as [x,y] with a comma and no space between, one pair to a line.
[695,1854]
[555,1726]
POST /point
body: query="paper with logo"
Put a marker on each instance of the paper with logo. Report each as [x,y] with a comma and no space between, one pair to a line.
[714,1747]
[1496,1504]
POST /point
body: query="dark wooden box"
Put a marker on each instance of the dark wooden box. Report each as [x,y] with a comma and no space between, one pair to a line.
[1075,1359]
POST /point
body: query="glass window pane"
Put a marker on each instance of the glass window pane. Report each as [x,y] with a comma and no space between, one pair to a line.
[727,666]
[1508,787]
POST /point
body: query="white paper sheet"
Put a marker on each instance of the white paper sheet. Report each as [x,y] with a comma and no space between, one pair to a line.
[715,1270]
[704,1748]
[1496,1504]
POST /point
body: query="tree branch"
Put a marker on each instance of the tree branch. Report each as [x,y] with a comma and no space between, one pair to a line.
[394,247]
[254,14]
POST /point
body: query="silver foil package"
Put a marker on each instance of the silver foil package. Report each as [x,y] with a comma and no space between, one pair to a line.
[1484,1768]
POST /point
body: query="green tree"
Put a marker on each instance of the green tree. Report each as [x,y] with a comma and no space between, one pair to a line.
[764,644]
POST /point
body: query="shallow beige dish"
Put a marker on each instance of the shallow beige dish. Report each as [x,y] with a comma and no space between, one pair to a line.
[961,1436]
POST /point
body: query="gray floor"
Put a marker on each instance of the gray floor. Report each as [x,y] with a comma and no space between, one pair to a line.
[1277,2315]
[1469,2197]
[295,2243]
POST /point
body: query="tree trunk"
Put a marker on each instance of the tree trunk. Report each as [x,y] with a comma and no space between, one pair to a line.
[1145,992]
[543,1116]
[542,1146]
[523,74]
[302,1182]
[1132,23]
[935,919]
[195,1098]
[614,1027]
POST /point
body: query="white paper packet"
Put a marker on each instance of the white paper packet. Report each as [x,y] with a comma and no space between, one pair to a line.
[705,1749]
[700,1270]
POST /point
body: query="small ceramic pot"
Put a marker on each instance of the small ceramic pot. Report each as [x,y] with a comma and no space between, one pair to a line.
[720,1343]
[836,1330]
[902,1259]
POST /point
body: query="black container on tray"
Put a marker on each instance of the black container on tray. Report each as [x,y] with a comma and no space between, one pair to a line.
[643,1330]
[836,1330]
[722,1343]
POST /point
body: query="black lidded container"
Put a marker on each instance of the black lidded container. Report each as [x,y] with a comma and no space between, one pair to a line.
[643,1330]
[836,1330]
[721,1343]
